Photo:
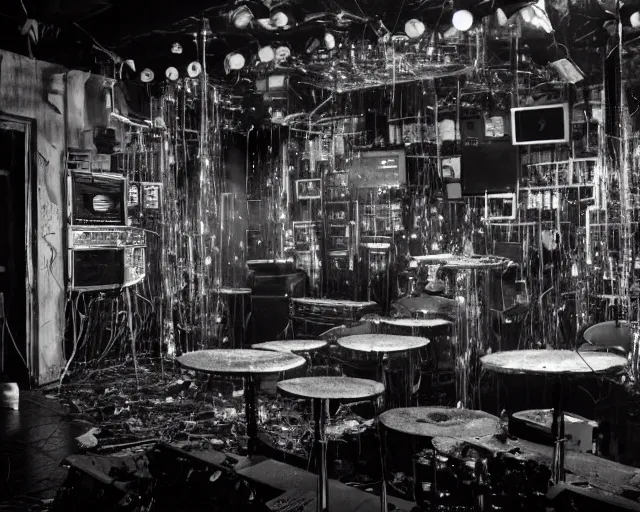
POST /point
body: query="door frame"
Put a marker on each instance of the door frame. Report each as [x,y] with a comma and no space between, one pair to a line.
[28,126]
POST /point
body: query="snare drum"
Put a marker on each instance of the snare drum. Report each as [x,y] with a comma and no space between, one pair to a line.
[494,480]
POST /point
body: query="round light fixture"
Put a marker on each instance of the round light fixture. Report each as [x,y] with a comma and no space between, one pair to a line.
[280,19]
[282,53]
[234,62]
[242,17]
[502,17]
[635,19]
[266,54]
[462,20]
[147,75]
[414,29]
[171,73]
[329,41]
[194,69]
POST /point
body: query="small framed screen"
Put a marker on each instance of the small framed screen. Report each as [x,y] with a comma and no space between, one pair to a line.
[379,169]
[541,124]
[97,199]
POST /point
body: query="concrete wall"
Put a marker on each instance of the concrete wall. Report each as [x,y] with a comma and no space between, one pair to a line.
[55,98]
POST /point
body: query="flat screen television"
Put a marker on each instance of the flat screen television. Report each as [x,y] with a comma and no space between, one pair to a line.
[379,169]
[97,199]
[540,124]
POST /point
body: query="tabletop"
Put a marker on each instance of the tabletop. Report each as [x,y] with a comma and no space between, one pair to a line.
[558,362]
[440,421]
[291,345]
[332,302]
[382,343]
[234,291]
[240,361]
[336,388]
[428,323]
[452,261]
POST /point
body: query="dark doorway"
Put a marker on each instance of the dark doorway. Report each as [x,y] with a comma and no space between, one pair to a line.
[13,255]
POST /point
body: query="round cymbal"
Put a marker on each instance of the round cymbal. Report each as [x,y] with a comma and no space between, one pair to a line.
[239,361]
[440,422]
[332,388]
[382,343]
[609,334]
[558,362]
[294,346]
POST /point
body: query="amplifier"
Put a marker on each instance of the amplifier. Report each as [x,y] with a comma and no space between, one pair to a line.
[88,237]
[106,258]
[330,310]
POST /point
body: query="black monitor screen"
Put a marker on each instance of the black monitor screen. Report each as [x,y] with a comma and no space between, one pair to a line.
[98,268]
[491,168]
[97,200]
[542,125]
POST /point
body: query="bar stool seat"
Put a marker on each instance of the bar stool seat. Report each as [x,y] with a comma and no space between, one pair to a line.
[295,346]
[320,390]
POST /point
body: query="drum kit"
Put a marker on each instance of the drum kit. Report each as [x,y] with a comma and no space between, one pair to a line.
[470,462]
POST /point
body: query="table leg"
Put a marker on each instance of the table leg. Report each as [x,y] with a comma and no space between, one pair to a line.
[251,413]
[319,415]
[557,473]
[383,467]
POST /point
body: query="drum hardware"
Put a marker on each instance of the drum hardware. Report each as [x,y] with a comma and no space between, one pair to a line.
[560,364]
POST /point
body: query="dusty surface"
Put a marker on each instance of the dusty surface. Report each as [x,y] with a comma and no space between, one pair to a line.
[294,346]
[440,421]
[332,302]
[234,291]
[553,362]
[239,361]
[382,343]
[339,388]
[428,323]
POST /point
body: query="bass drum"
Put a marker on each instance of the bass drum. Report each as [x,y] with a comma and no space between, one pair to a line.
[443,483]
[495,481]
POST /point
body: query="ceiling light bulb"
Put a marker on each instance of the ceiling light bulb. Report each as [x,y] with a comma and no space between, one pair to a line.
[312,45]
[234,62]
[266,54]
[414,29]
[242,17]
[462,20]
[502,17]
[282,53]
[451,33]
[147,75]
[194,69]
[171,73]
[635,19]
[280,19]
[329,41]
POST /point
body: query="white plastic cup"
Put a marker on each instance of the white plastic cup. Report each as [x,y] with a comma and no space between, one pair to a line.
[9,396]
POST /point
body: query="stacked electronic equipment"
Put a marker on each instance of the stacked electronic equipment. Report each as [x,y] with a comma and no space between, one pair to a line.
[105,253]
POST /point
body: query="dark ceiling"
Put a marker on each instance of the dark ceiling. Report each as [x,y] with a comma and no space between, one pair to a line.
[70,31]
